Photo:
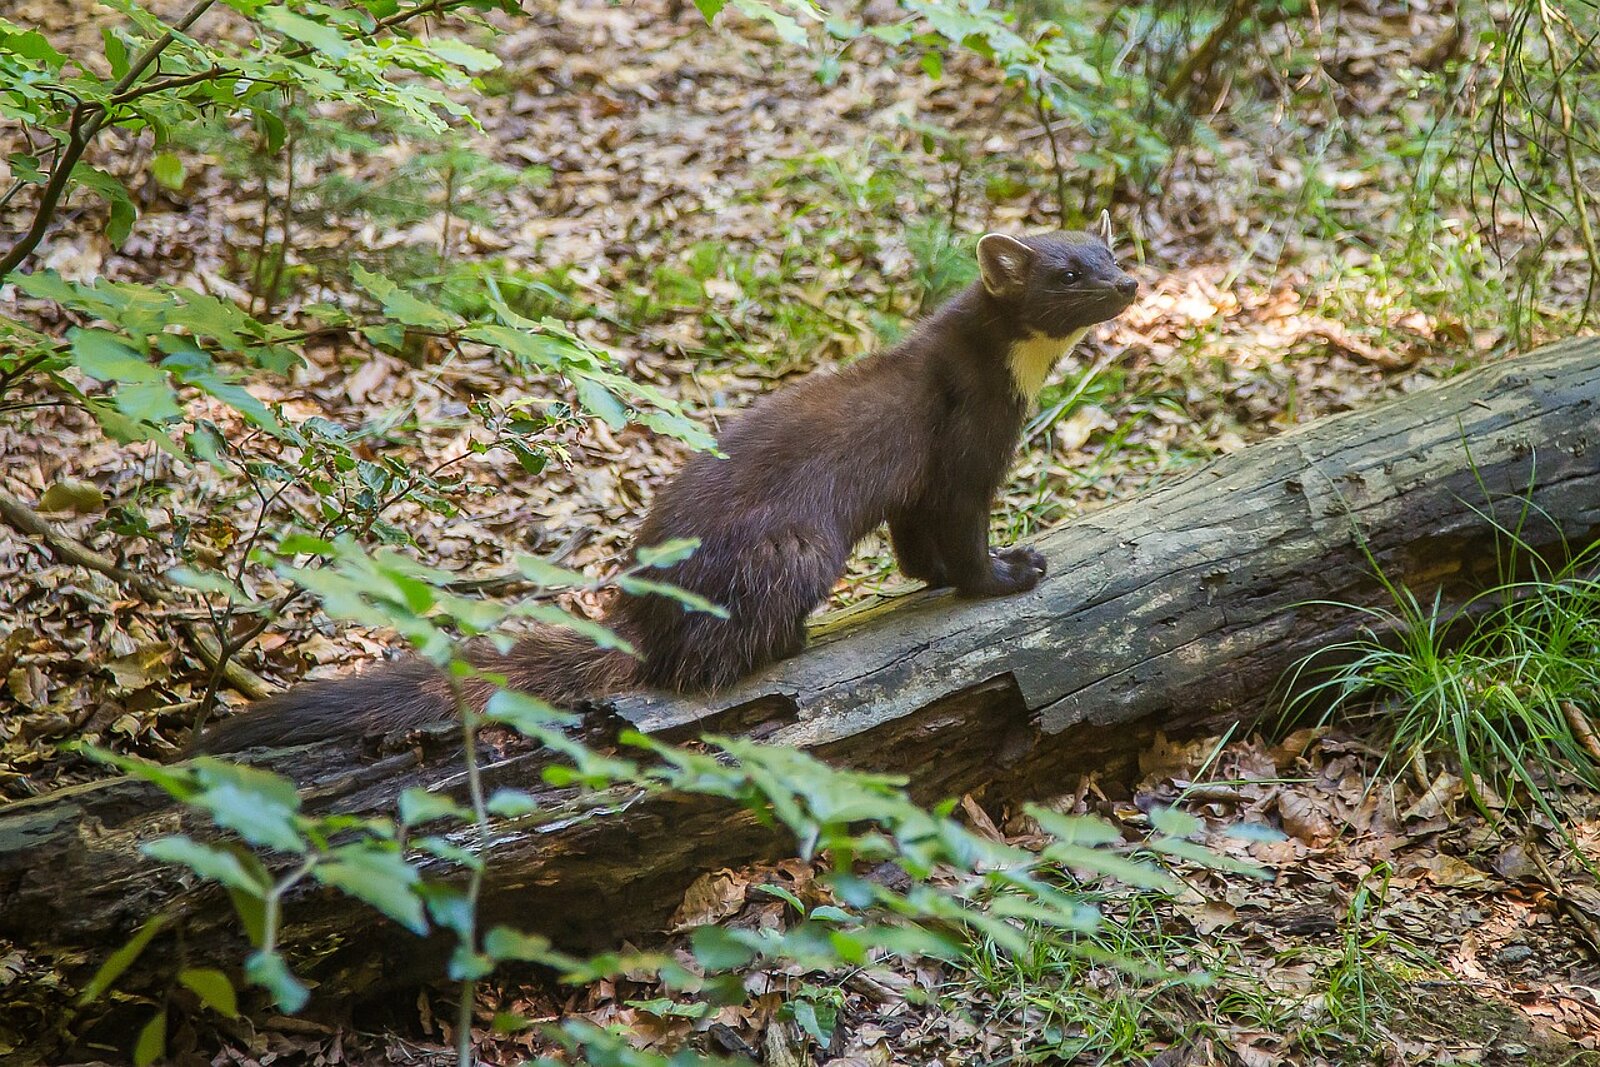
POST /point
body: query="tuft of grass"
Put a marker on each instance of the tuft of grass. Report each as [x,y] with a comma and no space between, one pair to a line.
[1142,982]
[1506,685]
[1363,987]
[1115,994]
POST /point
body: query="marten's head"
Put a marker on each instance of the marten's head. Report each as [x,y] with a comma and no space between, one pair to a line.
[1056,282]
[1051,288]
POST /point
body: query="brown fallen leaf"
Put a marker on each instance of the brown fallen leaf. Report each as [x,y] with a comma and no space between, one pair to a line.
[1304,819]
[1440,796]
[709,898]
[1448,872]
[980,820]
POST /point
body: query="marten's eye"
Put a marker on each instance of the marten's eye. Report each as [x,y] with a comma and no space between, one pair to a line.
[1069,276]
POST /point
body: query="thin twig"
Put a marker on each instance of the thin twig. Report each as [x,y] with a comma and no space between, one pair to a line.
[89,118]
[480,816]
[1580,201]
[86,121]
[1055,159]
[16,187]
[285,223]
[1586,925]
[1204,57]
[27,521]
[12,375]
[177,81]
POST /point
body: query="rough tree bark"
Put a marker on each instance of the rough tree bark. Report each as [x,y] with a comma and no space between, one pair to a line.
[1177,611]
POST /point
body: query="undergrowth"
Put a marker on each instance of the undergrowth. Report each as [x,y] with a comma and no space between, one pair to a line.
[1173,986]
[1504,685]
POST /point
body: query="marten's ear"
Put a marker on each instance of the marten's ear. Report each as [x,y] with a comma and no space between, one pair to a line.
[1005,263]
[1105,228]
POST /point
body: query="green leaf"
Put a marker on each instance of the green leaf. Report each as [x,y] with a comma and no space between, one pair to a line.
[1074,829]
[666,553]
[267,969]
[1175,822]
[1254,831]
[434,845]
[152,1043]
[114,193]
[527,714]
[177,782]
[506,1023]
[1204,857]
[527,344]
[121,960]
[252,912]
[511,803]
[296,544]
[709,9]
[33,45]
[546,574]
[213,989]
[667,1008]
[121,428]
[599,400]
[272,788]
[212,862]
[321,37]
[788,30]
[168,170]
[402,305]
[47,285]
[418,806]
[806,1014]
[273,129]
[692,601]
[207,582]
[152,402]
[468,966]
[105,357]
[1108,864]
[783,894]
[463,55]
[504,943]
[381,878]
[719,949]
[257,805]
[116,52]
[194,367]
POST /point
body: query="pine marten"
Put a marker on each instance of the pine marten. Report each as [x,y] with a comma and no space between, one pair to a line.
[918,437]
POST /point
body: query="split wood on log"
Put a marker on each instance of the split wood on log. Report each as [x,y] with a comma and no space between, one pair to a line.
[1178,610]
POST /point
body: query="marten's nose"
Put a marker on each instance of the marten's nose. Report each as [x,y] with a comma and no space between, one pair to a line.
[1128,286]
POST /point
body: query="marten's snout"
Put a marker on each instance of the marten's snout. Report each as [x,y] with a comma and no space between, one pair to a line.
[1128,286]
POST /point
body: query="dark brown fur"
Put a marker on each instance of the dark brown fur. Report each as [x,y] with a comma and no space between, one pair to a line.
[918,437]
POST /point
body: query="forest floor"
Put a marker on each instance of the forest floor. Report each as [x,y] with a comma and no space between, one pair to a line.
[699,204]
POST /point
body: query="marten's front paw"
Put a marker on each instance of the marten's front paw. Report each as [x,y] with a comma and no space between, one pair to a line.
[1016,570]
[1023,558]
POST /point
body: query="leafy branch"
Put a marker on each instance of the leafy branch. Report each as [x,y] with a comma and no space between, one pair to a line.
[87,120]
[89,116]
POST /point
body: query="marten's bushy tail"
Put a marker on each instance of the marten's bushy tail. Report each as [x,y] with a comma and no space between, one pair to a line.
[552,663]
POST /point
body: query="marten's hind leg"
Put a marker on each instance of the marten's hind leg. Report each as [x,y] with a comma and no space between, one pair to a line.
[793,574]
[767,587]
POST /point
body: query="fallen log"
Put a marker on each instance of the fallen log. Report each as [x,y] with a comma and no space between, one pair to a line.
[1178,611]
